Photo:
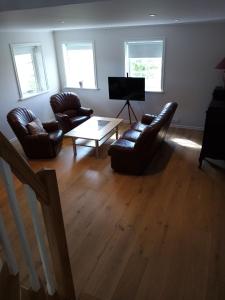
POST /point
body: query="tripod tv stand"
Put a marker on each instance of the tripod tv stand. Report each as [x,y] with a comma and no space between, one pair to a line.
[130,109]
[128,89]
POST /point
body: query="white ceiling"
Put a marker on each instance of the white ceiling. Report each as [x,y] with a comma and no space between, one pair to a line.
[106,13]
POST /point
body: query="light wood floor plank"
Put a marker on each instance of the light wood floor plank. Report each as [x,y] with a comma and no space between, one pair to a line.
[159,236]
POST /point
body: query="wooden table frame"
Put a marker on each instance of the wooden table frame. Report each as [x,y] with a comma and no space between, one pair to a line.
[82,135]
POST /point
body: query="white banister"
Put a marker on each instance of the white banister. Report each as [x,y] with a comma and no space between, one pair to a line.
[7,249]
[32,202]
[8,180]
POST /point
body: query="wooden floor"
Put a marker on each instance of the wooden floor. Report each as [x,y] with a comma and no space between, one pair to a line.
[160,236]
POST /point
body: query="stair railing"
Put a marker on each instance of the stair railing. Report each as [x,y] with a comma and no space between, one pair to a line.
[9,256]
[40,186]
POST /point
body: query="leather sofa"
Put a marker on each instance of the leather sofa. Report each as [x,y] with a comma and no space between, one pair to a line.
[43,145]
[132,152]
[68,111]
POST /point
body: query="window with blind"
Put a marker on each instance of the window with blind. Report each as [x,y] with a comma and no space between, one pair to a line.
[145,59]
[29,68]
[79,65]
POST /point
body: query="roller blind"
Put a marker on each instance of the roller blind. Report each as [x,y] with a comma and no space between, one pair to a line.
[79,46]
[145,49]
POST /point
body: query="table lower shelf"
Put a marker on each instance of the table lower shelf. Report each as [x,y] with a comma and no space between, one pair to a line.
[93,143]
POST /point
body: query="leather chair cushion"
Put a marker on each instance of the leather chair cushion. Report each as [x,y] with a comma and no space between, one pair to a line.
[121,144]
[139,126]
[131,135]
[35,127]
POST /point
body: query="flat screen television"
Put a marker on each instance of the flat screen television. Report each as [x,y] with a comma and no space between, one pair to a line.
[126,88]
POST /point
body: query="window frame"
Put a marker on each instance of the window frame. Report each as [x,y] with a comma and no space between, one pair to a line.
[36,70]
[65,86]
[163,59]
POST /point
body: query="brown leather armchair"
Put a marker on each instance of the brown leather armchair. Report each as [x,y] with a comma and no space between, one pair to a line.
[68,111]
[42,145]
[133,151]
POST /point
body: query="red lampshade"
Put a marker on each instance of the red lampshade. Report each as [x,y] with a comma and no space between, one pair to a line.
[221,65]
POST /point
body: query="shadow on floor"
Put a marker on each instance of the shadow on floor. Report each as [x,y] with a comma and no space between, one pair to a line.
[160,159]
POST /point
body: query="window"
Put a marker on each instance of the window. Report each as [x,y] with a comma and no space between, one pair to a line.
[145,59]
[30,69]
[79,65]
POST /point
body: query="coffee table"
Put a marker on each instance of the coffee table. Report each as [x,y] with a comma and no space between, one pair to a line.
[94,132]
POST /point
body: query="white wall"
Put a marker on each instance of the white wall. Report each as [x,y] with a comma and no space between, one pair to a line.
[191,53]
[9,94]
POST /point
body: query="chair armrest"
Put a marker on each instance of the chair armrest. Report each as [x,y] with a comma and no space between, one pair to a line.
[121,145]
[85,111]
[64,121]
[147,119]
[51,126]
[61,116]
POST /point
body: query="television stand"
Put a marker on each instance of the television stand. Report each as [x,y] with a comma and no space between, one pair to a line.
[130,109]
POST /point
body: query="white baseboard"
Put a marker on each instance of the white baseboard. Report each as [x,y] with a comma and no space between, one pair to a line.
[177,126]
[187,127]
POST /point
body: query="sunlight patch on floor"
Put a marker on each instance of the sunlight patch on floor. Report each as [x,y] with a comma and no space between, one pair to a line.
[186,143]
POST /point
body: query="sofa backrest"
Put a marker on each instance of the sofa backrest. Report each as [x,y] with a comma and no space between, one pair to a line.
[166,114]
[154,134]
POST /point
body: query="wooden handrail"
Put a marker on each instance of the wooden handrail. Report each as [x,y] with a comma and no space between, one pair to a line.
[21,169]
[44,184]
[53,219]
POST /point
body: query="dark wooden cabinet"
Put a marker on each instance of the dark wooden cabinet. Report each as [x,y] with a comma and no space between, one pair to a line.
[213,144]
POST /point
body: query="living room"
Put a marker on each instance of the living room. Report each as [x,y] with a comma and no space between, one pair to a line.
[179,253]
